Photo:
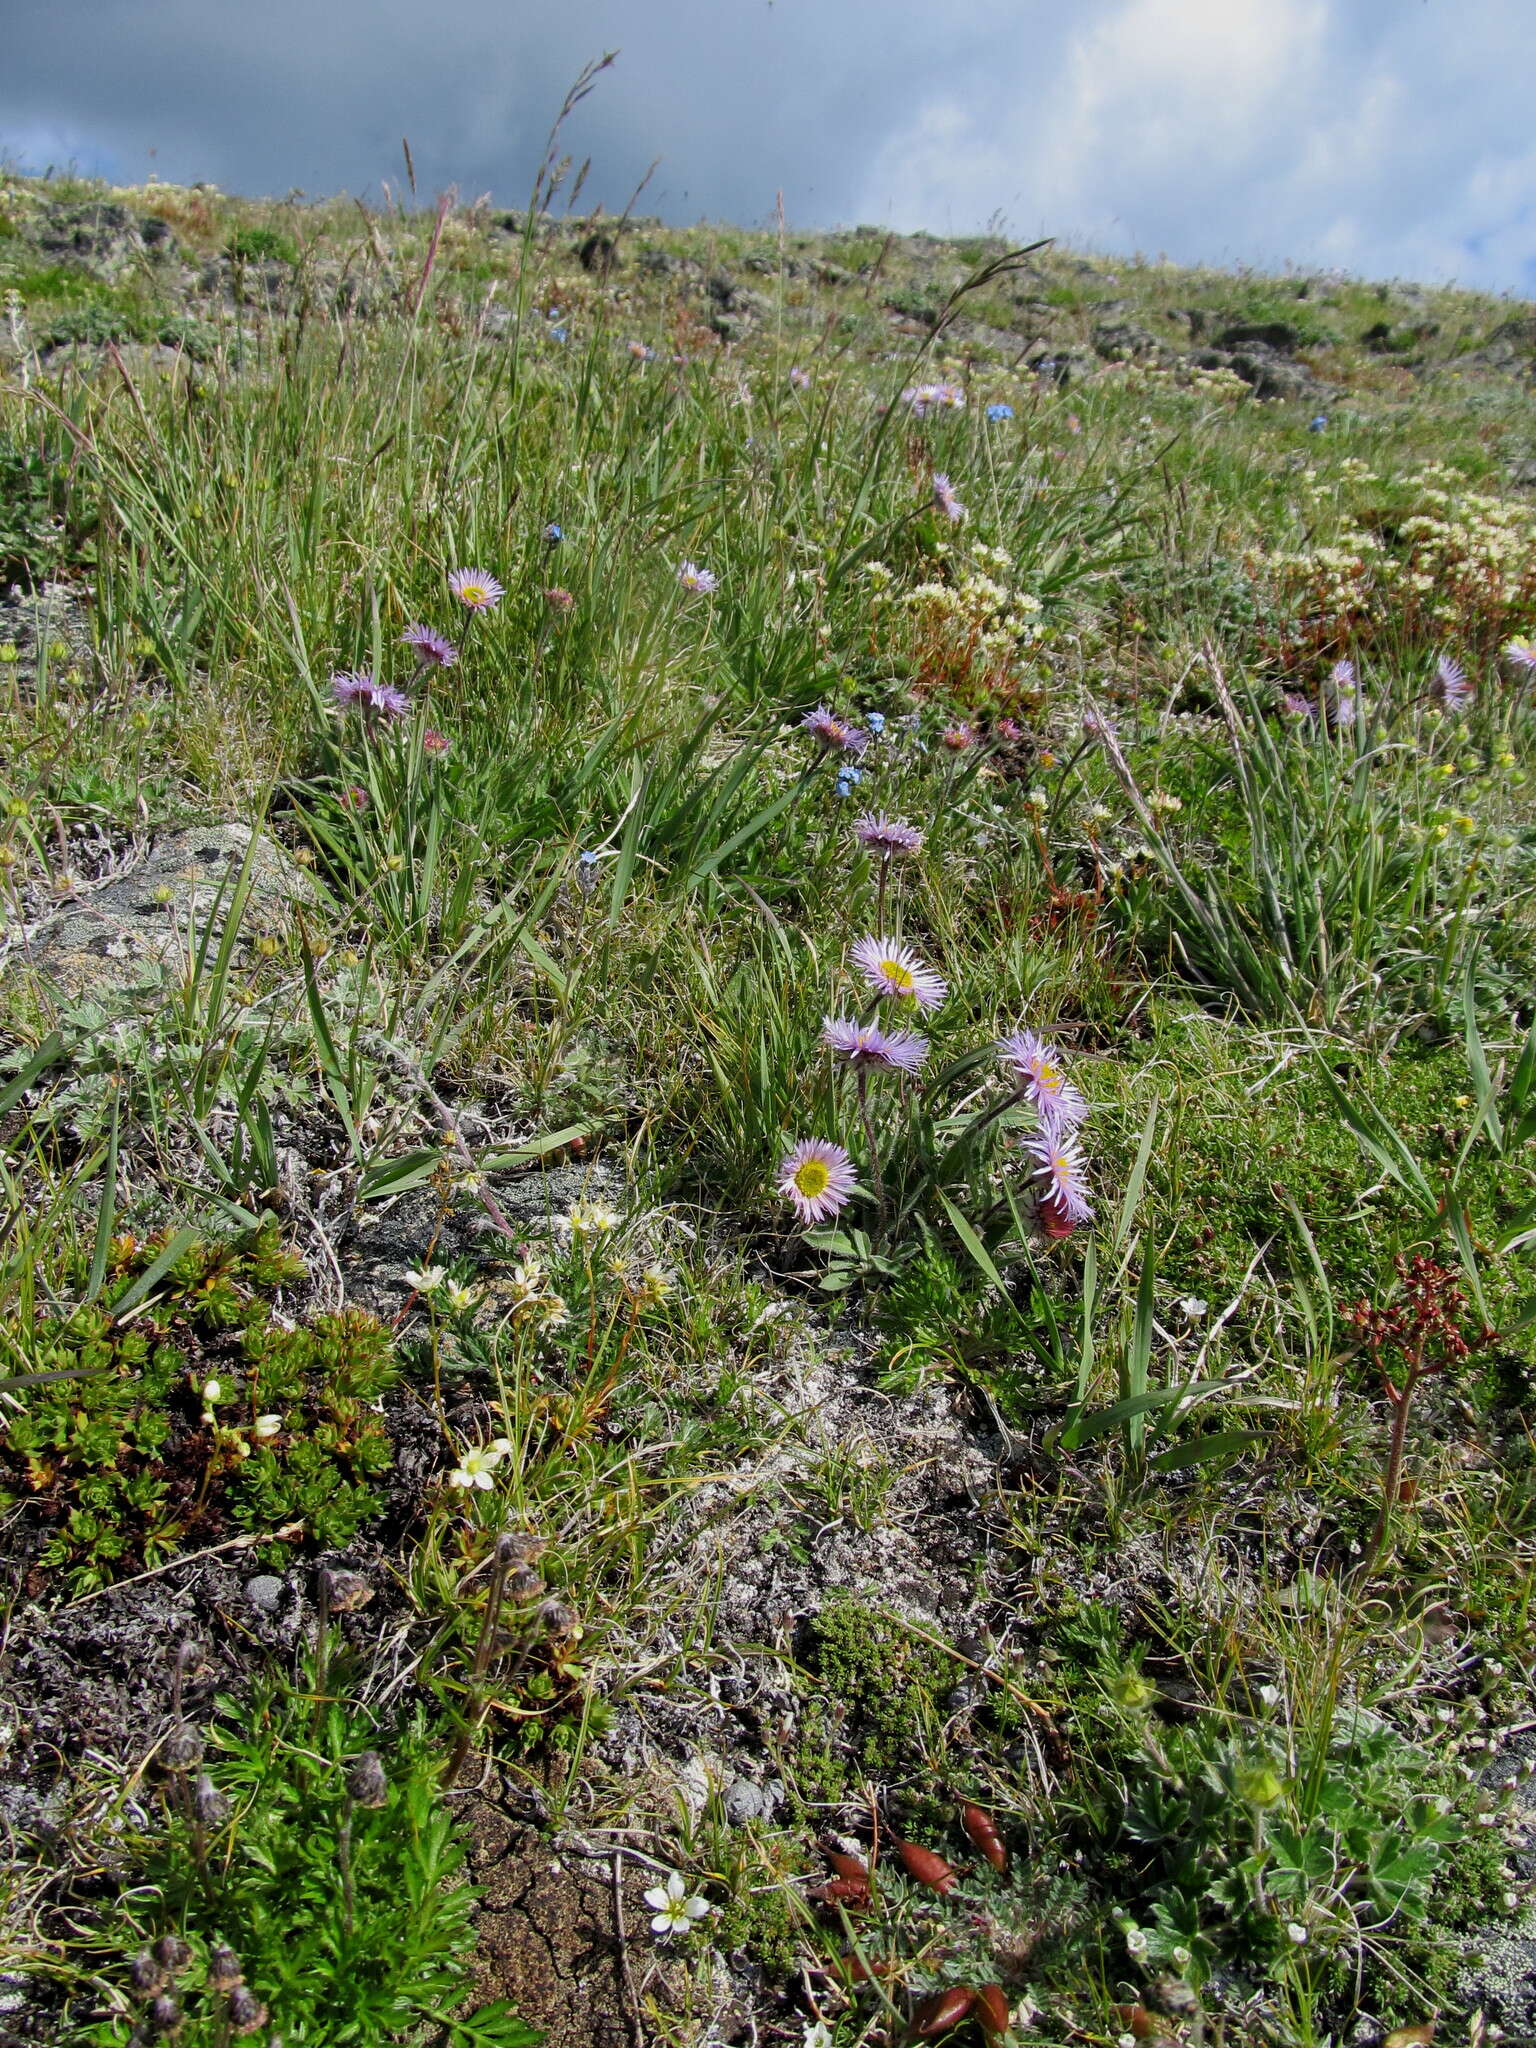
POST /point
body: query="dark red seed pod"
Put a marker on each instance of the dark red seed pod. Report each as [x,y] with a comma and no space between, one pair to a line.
[992,2008]
[983,1831]
[857,1971]
[944,2010]
[847,1866]
[1136,2020]
[927,1868]
[845,1891]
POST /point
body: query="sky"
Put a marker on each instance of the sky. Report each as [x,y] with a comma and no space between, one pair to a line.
[1388,138]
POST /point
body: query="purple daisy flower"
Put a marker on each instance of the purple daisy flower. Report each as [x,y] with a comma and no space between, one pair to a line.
[800,380]
[1523,654]
[476,589]
[835,733]
[1343,706]
[1296,706]
[692,577]
[1041,1081]
[944,498]
[1059,1163]
[431,649]
[892,969]
[866,1045]
[1455,690]
[886,836]
[958,737]
[358,686]
[926,398]
[818,1177]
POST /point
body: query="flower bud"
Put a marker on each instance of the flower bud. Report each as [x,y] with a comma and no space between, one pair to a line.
[183,1747]
[224,1971]
[145,1976]
[1259,1787]
[366,1782]
[209,1805]
[349,1592]
[246,2011]
[164,2014]
[172,1953]
[523,1583]
[556,1617]
[1133,1692]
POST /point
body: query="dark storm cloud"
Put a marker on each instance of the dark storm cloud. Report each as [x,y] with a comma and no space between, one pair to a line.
[1380,135]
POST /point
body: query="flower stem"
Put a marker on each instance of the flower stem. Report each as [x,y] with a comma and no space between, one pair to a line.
[862,1083]
[1392,1479]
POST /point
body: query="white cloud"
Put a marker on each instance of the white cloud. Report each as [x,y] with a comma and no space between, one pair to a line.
[1323,131]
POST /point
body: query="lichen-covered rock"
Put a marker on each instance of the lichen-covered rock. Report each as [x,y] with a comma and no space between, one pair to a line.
[147,924]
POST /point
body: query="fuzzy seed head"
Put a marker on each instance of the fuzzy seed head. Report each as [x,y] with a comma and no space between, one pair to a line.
[366,1783]
[209,1804]
[246,2011]
[183,1747]
[224,1971]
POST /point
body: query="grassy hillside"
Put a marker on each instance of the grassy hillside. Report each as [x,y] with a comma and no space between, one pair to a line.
[769,1074]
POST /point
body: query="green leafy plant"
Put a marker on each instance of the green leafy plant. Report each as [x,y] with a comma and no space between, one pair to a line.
[301,1878]
[178,1400]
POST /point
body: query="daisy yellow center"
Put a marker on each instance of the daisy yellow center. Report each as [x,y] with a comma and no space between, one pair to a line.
[473,593]
[1048,1077]
[812,1177]
[899,976]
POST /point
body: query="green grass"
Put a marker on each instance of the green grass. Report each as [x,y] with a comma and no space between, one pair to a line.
[576,921]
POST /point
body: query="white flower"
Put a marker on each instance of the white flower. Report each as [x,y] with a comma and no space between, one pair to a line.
[1192,1308]
[528,1281]
[476,1466]
[653,1286]
[592,1219]
[818,2036]
[267,1425]
[459,1297]
[675,1913]
[427,1281]
[1294,1931]
[1135,1941]
[212,1391]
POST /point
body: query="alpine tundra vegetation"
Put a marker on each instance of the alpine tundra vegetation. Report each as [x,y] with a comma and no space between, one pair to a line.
[768,1079]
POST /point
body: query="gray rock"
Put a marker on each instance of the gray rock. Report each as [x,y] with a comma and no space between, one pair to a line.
[1271,375]
[1115,339]
[139,926]
[265,1593]
[100,237]
[1511,347]
[1278,335]
[1065,365]
[743,1801]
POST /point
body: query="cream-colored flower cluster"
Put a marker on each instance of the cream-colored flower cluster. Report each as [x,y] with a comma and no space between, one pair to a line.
[1219,382]
[1460,560]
